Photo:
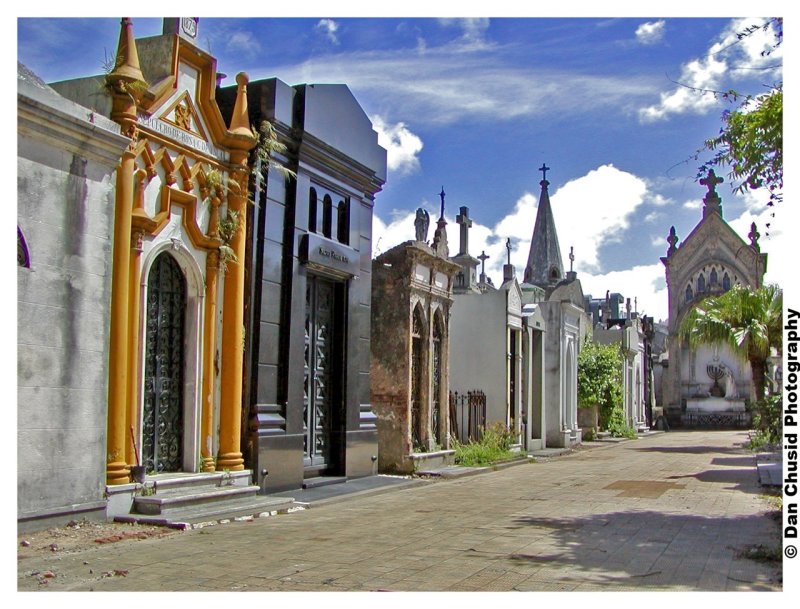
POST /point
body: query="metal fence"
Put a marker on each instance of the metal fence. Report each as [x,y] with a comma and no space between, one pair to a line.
[467,415]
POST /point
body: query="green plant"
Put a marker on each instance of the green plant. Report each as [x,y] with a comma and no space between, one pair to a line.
[493,446]
[600,379]
[228,227]
[267,146]
[589,435]
[134,88]
[767,421]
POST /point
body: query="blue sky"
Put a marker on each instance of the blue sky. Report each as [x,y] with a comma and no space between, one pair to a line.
[476,105]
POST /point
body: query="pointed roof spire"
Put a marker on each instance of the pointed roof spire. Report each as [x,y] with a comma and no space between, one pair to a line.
[126,64]
[544,266]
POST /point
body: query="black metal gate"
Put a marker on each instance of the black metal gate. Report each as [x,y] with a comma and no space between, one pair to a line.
[323,355]
[162,417]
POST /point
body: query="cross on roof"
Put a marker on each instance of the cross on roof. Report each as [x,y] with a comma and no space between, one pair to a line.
[571,258]
[441,194]
[483,258]
[508,247]
[465,222]
[711,181]
[544,169]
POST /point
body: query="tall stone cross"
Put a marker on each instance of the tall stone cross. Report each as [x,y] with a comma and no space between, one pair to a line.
[571,258]
[508,247]
[483,258]
[465,222]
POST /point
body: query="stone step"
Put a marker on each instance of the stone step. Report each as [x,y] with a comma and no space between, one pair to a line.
[178,481]
[179,498]
[323,481]
[199,515]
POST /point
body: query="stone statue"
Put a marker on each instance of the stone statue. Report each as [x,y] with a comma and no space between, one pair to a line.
[421,223]
[730,385]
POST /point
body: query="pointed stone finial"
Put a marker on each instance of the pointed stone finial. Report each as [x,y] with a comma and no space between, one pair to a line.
[672,239]
[126,63]
[441,194]
[754,235]
[240,119]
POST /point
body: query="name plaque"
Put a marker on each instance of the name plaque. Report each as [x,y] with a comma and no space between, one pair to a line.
[179,135]
[329,256]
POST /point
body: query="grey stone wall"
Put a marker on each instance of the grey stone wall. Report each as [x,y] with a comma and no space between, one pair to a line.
[65,210]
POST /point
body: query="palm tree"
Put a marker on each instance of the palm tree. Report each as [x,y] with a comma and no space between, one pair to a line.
[749,321]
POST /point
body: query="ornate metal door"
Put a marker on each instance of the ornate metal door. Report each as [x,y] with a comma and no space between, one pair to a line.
[417,369]
[436,411]
[162,419]
[318,394]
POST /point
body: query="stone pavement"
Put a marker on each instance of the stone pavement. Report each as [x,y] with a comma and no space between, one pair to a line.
[670,511]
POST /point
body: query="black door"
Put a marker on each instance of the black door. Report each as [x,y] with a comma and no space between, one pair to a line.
[323,394]
[162,418]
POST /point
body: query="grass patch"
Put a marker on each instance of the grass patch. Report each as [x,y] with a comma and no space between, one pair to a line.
[494,446]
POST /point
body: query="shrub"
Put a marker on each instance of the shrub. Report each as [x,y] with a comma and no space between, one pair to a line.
[600,379]
[767,419]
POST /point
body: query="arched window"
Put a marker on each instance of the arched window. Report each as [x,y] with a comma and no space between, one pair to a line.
[418,336]
[554,274]
[701,284]
[23,255]
[726,282]
[712,279]
[312,211]
[689,293]
[327,216]
[343,223]
[436,402]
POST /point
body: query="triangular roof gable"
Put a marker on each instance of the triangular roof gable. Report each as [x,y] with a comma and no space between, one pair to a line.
[701,232]
[178,73]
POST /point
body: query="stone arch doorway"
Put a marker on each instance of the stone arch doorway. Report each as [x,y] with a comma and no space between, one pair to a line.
[162,409]
[438,361]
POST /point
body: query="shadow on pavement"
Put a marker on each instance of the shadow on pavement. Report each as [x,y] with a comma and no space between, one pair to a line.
[649,548]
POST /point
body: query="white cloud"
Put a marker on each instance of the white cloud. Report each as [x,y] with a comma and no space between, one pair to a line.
[644,285]
[693,204]
[242,41]
[650,32]
[402,146]
[328,27]
[613,193]
[658,241]
[446,84]
[652,216]
[728,59]
[473,29]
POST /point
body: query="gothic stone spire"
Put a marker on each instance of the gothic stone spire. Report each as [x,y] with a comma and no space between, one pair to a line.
[544,266]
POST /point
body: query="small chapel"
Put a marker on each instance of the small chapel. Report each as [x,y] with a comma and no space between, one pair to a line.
[707,386]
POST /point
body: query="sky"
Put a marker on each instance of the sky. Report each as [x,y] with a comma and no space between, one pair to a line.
[476,105]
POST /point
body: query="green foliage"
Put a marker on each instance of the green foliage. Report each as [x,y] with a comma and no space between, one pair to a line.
[750,141]
[767,420]
[493,446]
[600,379]
[749,321]
[267,147]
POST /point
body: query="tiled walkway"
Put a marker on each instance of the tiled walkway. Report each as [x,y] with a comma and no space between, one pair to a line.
[669,511]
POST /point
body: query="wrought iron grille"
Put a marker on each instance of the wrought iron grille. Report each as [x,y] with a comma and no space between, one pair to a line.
[467,415]
[162,417]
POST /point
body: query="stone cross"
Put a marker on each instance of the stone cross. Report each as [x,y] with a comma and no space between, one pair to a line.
[465,222]
[711,181]
[483,257]
[441,194]
[508,247]
[571,258]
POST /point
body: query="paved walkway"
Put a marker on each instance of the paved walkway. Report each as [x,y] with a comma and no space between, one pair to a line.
[670,511]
